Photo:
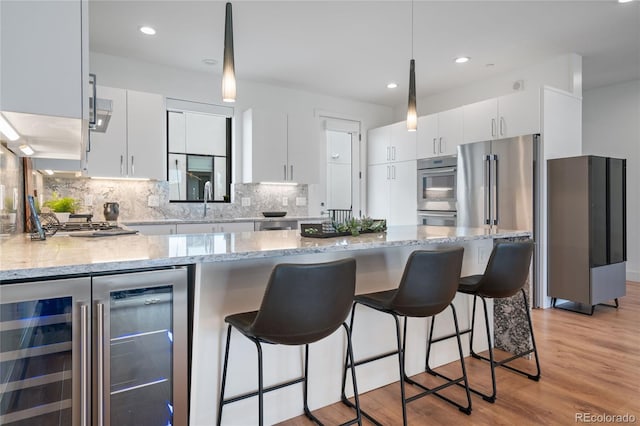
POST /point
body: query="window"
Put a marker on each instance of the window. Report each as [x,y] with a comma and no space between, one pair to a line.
[199,150]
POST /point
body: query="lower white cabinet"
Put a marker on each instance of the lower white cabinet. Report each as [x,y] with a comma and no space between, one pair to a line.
[391,190]
[157,229]
[211,227]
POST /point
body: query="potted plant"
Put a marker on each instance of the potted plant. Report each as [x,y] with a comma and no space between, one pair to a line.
[62,207]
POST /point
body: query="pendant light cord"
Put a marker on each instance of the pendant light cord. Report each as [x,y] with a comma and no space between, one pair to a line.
[412,29]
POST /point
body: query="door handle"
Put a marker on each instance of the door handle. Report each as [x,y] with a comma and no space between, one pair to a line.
[501,126]
[434,145]
[487,190]
[84,365]
[121,165]
[496,191]
[393,153]
[388,172]
[94,120]
[100,349]
[493,127]
[285,171]
[440,145]
[394,172]
[291,177]
[388,153]
[133,167]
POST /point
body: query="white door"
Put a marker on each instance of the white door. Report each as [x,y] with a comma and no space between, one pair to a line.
[519,114]
[480,121]
[108,154]
[427,136]
[402,194]
[450,129]
[147,135]
[378,191]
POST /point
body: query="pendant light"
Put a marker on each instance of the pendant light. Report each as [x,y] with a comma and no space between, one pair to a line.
[228,69]
[412,111]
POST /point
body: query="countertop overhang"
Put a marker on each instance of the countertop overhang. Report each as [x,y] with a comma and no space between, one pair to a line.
[23,259]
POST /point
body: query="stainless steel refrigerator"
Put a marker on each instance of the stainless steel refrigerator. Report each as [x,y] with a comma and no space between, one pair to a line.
[497,186]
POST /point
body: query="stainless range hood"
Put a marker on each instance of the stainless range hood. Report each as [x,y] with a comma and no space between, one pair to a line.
[99,109]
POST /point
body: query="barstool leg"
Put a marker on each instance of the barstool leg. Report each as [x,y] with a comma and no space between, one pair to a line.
[427,367]
[466,409]
[473,326]
[536,376]
[348,362]
[492,363]
[356,398]
[260,385]
[224,376]
[307,412]
[401,369]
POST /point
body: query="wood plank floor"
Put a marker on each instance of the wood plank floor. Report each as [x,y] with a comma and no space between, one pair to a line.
[589,365]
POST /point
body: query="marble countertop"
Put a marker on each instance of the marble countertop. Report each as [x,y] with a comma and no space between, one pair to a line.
[220,220]
[21,258]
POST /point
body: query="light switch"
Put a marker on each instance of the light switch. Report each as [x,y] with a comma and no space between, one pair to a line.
[301,201]
[285,201]
[153,201]
[88,200]
[246,201]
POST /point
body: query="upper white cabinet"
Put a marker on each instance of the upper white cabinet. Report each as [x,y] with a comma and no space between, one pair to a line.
[197,133]
[277,147]
[503,117]
[43,49]
[392,143]
[439,134]
[134,144]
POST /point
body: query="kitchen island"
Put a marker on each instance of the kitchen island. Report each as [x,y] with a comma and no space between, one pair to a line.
[230,274]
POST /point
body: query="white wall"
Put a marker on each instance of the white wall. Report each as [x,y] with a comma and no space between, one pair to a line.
[205,87]
[562,72]
[611,127]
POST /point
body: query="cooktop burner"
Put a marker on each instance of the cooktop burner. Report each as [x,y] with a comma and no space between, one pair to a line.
[86,226]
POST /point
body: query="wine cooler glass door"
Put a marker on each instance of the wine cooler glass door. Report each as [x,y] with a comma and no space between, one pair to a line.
[141,348]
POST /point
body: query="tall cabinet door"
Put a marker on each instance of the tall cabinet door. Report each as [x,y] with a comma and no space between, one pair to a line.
[402,193]
[147,135]
[378,190]
[108,154]
[45,352]
[140,365]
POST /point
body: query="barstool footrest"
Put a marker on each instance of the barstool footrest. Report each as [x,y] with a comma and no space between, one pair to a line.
[503,362]
[267,389]
[434,391]
[448,336]
[350,404]
[477,392]
[373,358]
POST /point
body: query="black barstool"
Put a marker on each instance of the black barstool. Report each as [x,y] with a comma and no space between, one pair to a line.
[302,304]
[505,275]
[427,287]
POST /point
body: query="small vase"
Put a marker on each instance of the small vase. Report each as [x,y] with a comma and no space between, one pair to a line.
[63,217]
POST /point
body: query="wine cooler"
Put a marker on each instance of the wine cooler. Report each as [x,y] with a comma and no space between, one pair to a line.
[101,350]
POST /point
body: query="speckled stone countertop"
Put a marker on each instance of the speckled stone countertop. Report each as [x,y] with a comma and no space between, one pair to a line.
[221,220]
[21,258]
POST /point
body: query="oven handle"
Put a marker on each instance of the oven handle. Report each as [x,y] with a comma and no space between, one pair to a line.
[438,171]
[439,214]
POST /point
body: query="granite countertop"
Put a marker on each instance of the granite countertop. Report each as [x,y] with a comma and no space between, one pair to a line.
[21,258]
[219,220]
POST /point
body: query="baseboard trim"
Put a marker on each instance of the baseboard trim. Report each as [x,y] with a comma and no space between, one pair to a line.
[633,276]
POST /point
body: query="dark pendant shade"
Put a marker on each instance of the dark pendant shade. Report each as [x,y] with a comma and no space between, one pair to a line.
[412,112]
[228,68]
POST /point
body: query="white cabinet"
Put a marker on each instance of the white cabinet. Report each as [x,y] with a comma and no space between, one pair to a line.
[278,147]
[212,227]
[157,229]
[439,134]
[43,50]
[503,117]
[391,190]
[134,144]
[391,143]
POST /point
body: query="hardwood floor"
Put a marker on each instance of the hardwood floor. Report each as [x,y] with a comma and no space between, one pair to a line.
[589,365]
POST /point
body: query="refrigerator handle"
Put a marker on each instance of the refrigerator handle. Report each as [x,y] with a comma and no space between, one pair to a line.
[84,365]
[487,190]
[496,192]
[100,349]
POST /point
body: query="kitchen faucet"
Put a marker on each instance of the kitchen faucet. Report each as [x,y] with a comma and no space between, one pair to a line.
[207,195]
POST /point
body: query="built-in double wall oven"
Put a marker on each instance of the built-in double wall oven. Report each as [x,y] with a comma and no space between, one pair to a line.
[437,191]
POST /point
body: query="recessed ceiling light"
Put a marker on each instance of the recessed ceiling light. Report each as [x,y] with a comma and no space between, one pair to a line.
[26,149]
[148,30]
[489,65]
[462,59]
[392,85]
[625,1]
[209,61]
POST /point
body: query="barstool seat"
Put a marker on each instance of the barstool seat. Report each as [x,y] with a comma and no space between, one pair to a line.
[303,303]
[427,287]
[505,276]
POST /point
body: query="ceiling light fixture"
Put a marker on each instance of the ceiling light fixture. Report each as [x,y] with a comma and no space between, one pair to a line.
[412,111]
[147,30]
[228,69]
[8,130]
[462,59]
[209,61]
[625,1]
[392,85]
[26,149]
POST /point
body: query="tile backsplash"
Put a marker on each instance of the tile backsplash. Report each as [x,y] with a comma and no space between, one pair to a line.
[134,198]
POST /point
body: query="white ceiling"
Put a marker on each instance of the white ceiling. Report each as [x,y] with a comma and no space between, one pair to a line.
[352,49]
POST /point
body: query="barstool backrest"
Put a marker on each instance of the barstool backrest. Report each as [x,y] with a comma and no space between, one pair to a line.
[429,282]
[507,269]
[304,303]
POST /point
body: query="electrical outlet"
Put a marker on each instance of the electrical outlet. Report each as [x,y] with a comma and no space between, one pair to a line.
[301,201]
[88,200]
[285,201]
[246,201]
[153,201]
